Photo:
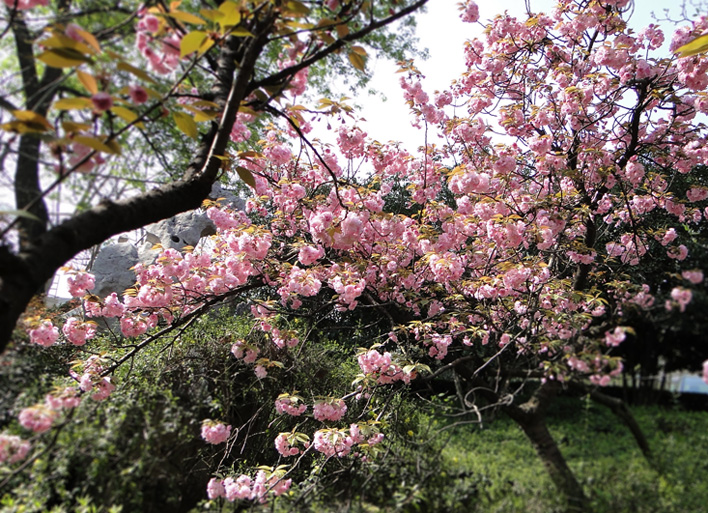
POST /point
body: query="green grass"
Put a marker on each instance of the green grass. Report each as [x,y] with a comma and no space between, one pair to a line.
[509,477]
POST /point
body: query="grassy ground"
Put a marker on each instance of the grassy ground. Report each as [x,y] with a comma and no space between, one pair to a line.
[433,467]
[508,477]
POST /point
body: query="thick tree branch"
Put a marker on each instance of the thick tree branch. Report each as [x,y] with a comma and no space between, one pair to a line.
[23,274]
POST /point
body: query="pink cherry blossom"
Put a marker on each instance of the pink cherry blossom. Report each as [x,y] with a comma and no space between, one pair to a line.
[282,445]
[102,101]
[682,297]
[694,276]
[64,399]
[309,255]
[695,194]
[615,337]
[138,94]
[329,409]
[260,371]
[21,5]
[80,282]
[289,404]
[37,418]
[149,23]
[77,331]
[332,442]
[215,489]
[13,448]
[45,334]
[215,432]
[102,389]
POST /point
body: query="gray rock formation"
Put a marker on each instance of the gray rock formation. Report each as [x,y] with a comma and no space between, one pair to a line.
[112,265]
[112,268]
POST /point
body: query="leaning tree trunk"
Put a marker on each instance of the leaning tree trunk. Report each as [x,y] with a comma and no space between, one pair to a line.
[531,417]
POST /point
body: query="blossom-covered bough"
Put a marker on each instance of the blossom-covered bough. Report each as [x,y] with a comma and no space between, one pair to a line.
[512,263]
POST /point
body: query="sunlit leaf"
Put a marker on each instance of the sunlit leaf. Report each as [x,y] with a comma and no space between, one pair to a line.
[202,115]
[246,176]
[694,47]
[325,22]
[135,71]
[230,14]
[96,144]
[62,42]
[241,32]
[208,43]
[71,127]
[206,104]
[88,80]
[32,119]
[297,7]
[186,124]
[186,17]
[19,213]
[357,61]
[62,58]
[249,155]
[126,114]
[211,14]
[191,42]
[342,30]
[90,39]
[72,103]
[327,38]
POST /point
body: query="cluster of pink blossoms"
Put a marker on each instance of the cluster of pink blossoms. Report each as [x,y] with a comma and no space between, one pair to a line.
[679,297]
[381,367]
[40,417]
[91,379]
[22,5]
[13,448]
[110,306]
[284,445]
[243,487]
[80,282]
[45,334]
[470,12]
[215,432]
[162,51]
[339,442]
[78,332]
[329,409]
[288,404]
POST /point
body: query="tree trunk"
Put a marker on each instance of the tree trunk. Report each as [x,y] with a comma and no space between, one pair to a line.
[537,432]
[531,417]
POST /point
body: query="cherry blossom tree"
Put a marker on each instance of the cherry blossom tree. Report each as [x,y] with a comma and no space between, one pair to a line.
[509,261]
[101,89]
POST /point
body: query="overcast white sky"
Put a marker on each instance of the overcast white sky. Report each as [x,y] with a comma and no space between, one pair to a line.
[443,33]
